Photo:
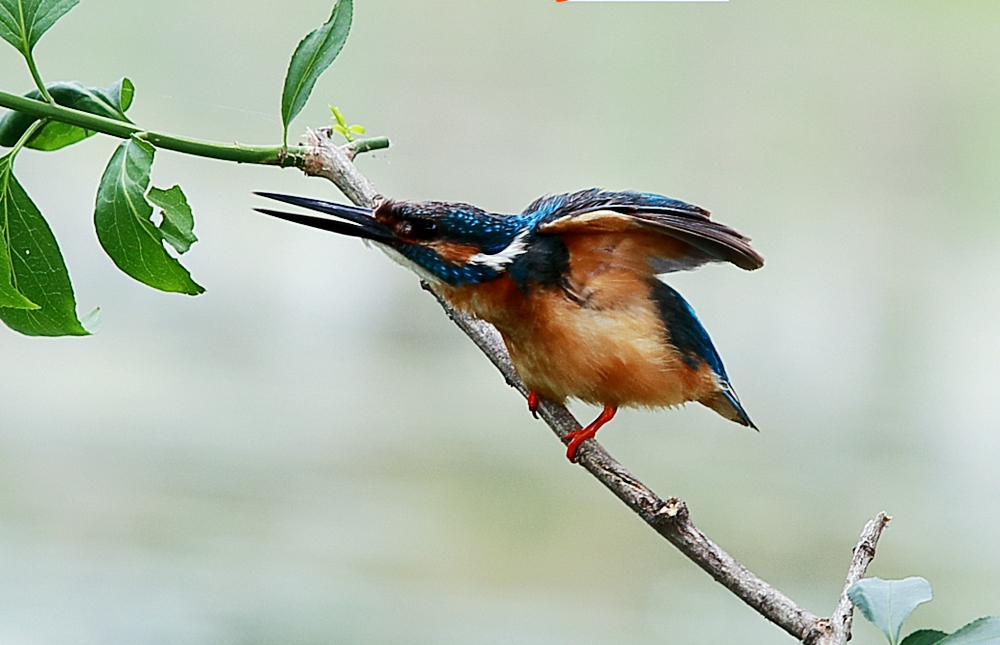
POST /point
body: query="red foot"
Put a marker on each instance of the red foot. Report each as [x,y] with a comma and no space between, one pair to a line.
[533,403]
[577,437]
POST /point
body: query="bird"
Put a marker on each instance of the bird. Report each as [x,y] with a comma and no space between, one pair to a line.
[572,284]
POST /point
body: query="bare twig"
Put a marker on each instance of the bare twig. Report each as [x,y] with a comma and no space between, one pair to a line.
[837,628]
[668,517]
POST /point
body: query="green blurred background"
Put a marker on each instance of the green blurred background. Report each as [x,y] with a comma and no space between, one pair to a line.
[311,453]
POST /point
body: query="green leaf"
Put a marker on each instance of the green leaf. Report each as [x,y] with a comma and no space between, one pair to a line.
[124,223]
[109,102]
[338,117]
[9,294]
[22,22]
[357,129]
[33,265]
[124,91]
[57,135]
[887,603]
[311,58]
[177,227]
[985,631]
[924,637]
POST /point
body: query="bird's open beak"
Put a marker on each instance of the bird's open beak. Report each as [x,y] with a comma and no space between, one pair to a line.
[359,221]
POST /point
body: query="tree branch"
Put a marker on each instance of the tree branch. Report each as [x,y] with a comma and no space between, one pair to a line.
[326,159]
[670,517]
[838,626]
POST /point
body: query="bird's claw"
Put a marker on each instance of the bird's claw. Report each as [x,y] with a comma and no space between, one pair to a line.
[533,403]
[575,438]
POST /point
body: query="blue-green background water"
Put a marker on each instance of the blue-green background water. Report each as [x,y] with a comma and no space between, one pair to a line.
[311,453]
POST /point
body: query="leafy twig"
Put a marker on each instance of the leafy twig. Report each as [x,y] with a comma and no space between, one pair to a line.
[60,114]
[270,155]
[347,131]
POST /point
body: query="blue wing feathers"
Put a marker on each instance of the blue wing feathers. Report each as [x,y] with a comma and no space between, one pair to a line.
[555,206]
[685,331]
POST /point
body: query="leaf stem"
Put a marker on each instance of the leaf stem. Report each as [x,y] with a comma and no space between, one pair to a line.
[37,77]
[268,155]
[26,137]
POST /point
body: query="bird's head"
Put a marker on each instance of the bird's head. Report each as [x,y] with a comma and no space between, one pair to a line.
[449,242]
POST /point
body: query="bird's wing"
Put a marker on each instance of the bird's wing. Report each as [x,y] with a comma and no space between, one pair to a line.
[680,236]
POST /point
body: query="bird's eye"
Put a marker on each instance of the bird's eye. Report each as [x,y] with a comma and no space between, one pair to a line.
[417,229]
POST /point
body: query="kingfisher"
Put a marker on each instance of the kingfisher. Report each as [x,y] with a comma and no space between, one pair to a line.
[572,285]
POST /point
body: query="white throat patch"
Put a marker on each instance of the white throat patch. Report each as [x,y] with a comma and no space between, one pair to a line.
[497,261]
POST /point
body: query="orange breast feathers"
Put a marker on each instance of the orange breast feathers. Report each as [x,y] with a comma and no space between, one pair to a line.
[599,339]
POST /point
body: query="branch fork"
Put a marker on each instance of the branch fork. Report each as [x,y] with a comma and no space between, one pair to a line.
[668,517]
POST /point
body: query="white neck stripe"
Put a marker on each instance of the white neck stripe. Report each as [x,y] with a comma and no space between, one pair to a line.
[497,261]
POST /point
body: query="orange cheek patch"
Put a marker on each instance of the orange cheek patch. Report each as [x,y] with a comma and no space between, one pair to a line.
[455,253]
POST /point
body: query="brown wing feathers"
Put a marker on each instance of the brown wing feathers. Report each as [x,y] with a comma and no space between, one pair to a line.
[707,240]
[717,240]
